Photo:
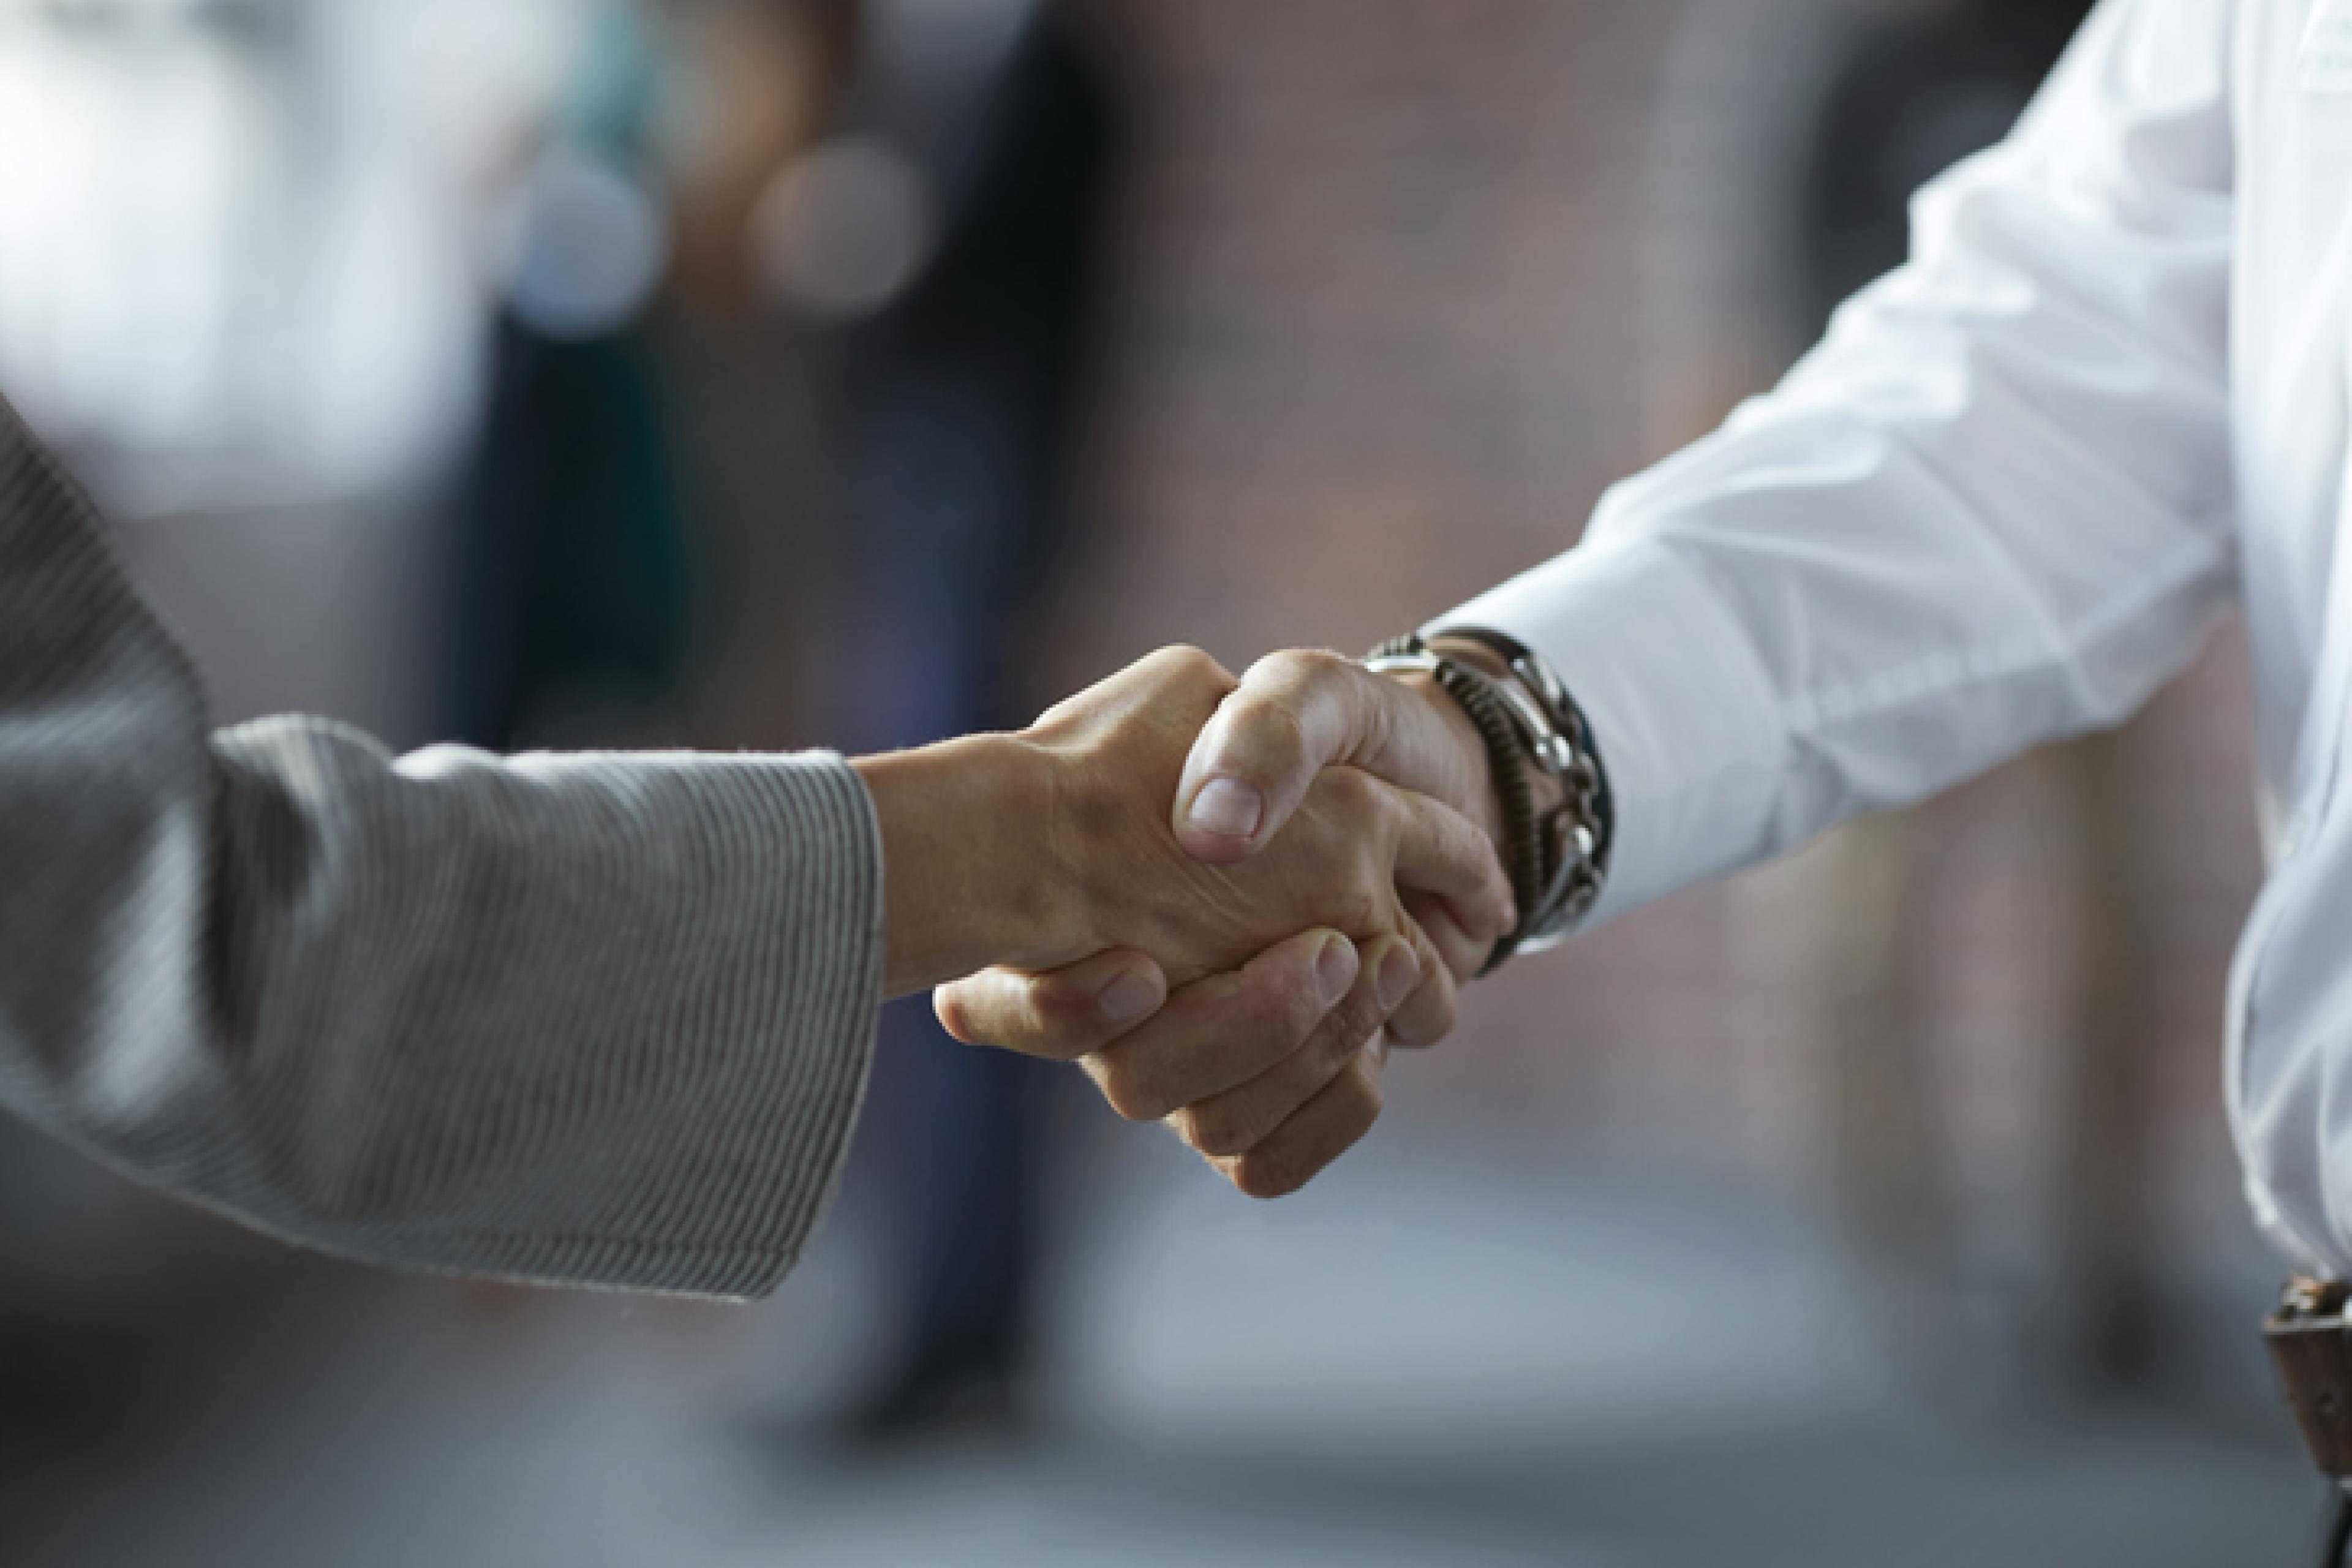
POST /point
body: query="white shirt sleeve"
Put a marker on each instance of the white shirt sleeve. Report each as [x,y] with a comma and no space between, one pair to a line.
[1994,508]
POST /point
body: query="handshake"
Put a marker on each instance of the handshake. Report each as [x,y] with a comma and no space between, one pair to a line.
[1222,898]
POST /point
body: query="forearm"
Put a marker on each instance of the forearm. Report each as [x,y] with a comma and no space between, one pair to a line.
[593,1020]
[1992,509]
[582,1018]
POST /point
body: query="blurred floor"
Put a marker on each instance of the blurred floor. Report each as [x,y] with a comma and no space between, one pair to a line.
[1430,1358]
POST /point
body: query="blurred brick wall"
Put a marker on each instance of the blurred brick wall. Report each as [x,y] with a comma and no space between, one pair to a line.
[1380,323]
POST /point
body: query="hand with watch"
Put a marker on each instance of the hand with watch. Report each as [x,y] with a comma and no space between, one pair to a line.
[1471,716]
[1468,717]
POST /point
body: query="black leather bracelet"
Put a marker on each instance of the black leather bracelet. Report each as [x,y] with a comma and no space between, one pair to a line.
[1545,686]
[1523,848]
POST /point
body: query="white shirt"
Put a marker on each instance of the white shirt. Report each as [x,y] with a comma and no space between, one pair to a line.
[2004,502]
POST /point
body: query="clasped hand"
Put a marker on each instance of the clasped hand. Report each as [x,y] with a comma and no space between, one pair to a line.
[1221,898]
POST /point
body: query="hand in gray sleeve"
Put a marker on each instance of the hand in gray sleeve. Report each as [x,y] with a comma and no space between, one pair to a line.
[590,1019]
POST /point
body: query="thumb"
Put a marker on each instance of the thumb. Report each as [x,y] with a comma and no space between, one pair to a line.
[1063,1016]
[1293,715]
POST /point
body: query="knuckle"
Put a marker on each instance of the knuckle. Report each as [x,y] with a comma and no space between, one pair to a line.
[1294,668]
[1269,734]
[1192,665]
[1363,907]
[1131,1106]
[1062,1022]
[1267,1176]
[1422,1026]
[1427,954]
[1444,998]
[1056,1047]
[1281,1017]
[1272,1172]
[1218,1133]
[1130,1094]
[1333,833]
[1353,792]
[1348,1029]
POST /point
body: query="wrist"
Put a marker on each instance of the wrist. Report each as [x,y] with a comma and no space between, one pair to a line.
[1480,798]
[1478,656]
[1544,769]
[1557,787]
[968,877]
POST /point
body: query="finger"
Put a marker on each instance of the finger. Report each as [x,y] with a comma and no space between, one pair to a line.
[1219,1032]
[1294,714]
[1325,1128]
[1062,1016]
[1441,852]
[1240,1118]
[1463,954]
[1426,1015]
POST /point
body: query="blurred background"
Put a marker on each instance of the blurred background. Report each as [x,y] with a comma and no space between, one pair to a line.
[783,373]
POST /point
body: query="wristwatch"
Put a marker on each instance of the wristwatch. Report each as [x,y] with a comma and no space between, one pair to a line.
[1558,859]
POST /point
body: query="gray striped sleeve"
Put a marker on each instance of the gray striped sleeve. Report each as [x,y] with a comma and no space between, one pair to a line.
[597,1019]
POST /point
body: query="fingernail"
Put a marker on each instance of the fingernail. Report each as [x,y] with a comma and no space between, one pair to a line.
[1400,973]
[1335,969]
[1127,999]
[1228,808]
[1377,1048]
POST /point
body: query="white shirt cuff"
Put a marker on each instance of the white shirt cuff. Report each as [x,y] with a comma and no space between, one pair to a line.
[1686,724]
